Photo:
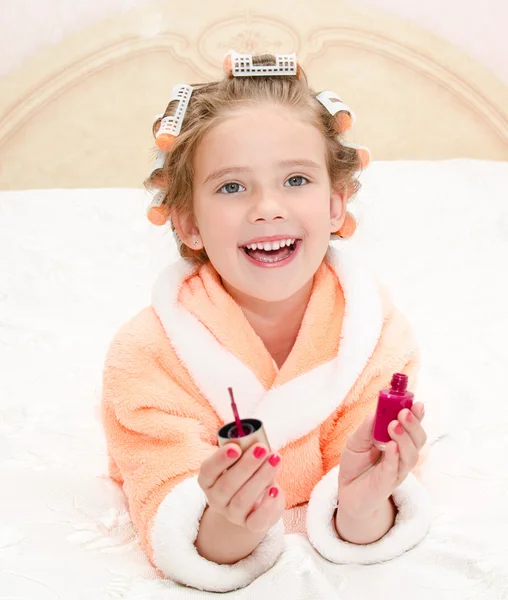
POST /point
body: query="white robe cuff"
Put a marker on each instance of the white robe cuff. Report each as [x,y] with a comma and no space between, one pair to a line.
[411,524]
[174,531]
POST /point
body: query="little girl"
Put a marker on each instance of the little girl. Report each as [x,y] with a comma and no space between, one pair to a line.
[254,178]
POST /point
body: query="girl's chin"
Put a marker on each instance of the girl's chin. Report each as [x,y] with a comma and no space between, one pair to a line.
[278,289]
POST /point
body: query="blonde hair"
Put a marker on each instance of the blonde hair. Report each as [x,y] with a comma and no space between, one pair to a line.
[210,104]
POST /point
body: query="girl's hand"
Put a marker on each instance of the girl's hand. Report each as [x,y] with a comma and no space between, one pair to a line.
[367,476]
[242,488]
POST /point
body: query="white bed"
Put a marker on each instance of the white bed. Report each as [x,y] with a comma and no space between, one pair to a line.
[75,264]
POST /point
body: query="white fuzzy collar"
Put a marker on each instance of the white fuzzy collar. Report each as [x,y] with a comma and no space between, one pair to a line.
[294,409]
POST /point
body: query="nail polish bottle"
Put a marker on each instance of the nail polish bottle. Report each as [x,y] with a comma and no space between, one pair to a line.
[390,402]
[243,432]
[253,432]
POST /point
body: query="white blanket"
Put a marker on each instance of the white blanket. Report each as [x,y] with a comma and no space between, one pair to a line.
[75,264]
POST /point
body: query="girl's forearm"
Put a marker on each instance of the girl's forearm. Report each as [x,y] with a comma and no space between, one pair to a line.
[222,542]
[368,529]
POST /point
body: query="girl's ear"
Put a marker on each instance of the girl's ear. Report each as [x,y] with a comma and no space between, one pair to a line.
[338,206]
[186,228]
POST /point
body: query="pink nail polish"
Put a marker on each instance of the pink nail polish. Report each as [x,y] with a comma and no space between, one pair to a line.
[399,430]
[409,417]
[259,452]
[274,460]
[232,453]
[390,403]
[274,492]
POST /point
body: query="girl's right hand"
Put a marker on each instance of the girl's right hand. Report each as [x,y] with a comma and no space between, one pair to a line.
[242,488]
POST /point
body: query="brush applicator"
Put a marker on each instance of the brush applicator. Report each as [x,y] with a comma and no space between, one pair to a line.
[243,432]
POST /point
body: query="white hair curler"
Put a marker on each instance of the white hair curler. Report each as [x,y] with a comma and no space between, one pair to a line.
[171,125]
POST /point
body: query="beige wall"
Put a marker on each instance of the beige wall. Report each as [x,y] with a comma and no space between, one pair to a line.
[479,29]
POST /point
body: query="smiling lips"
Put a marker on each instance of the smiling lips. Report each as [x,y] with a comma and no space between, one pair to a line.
[271,251]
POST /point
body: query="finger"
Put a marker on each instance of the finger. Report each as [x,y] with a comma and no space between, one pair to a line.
[413,427]
[418,409]
[212,468]
[234,478]
[245,499]
[268,512]
[387,469]
[408,453]
[361,439]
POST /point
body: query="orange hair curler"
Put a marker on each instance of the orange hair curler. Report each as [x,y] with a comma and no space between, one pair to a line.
[362,153]
[347,229]
[345,118]
[158,211]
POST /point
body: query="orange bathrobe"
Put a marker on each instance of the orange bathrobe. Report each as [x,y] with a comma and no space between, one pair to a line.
[165,397]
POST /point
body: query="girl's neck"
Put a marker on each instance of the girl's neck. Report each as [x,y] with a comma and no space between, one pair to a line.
[276,323]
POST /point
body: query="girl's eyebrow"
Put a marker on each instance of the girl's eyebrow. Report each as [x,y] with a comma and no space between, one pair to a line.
[300,162]
[221,172]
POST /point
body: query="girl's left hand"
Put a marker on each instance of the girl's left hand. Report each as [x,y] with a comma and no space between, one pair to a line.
[367,476]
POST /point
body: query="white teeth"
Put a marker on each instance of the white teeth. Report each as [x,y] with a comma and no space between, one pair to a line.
[267,246]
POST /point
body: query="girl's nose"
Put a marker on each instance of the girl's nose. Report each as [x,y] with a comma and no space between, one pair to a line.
[267,206]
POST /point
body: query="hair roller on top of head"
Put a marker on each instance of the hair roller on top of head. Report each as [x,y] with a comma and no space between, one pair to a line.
[245,65]
[345,118]
[171,125]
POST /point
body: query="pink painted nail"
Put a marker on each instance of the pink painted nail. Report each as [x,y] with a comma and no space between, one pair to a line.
[274,492]
[274,460]
[232,453]
[409,417]
[399,430]
[259,452]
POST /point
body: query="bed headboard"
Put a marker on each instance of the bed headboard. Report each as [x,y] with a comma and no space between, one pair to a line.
[79,114]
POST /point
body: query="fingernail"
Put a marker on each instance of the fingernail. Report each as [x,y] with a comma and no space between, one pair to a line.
[399,430]
[273,493]
[274,460]
[232,453]
[259,452]
[409,417]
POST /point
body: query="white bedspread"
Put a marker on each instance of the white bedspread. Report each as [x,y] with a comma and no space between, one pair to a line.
[75,264]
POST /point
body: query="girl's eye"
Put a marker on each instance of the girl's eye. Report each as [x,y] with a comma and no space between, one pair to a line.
[296,181]
[230,188]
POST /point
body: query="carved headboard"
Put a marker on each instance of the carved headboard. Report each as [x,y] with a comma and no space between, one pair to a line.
[79,113]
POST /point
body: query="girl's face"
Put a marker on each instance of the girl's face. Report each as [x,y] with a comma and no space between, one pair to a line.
[261,178]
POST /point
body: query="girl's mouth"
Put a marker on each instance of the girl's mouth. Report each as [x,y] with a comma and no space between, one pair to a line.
[272,254]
